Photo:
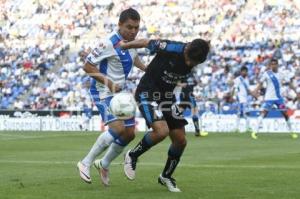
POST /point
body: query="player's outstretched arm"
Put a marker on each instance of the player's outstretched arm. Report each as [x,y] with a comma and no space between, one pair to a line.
[138,43]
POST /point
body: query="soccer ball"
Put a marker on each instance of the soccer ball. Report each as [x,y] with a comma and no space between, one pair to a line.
[123,106]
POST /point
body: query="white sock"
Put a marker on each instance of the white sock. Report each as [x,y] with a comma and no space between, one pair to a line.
[247,123]
[289,125]
[102,142]
[260,119]
[238,123]
[113,151]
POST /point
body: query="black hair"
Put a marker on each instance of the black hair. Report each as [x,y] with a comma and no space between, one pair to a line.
[198,50]
[274,60]
[244,68]
[129,13]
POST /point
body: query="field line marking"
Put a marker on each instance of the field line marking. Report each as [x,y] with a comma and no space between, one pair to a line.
[157,164]
[40,136]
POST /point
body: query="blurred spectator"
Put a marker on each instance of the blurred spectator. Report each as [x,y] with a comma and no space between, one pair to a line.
[37,33]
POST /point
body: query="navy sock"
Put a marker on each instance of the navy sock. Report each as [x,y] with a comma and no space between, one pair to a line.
[196,123]
[174,155]
[144,145]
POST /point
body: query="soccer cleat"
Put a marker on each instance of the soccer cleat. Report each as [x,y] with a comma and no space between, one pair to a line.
[129,166]
[203,133]
[104,173]
[84,172]
[294,135]
[170,183]
[254,135]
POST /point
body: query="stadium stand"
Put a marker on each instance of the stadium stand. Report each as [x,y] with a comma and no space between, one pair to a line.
[38,54]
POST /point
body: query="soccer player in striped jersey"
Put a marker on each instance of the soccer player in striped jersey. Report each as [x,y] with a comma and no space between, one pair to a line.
[242,92]
[109,66]
[273,97]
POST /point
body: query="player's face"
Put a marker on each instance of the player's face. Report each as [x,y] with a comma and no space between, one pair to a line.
[129,29]
[274,66]
[244,73]
[191,63]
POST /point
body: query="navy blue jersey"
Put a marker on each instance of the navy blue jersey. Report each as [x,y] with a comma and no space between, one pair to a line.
[167,67]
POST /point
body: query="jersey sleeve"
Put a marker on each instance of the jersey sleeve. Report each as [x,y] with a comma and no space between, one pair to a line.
[263,78]
[283,78]
[156,46]
[134,53]
[236,85]
[102,50]
[236,82]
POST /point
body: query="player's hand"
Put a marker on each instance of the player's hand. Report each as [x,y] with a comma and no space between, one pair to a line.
[255,94]
[114,88]
[122,44]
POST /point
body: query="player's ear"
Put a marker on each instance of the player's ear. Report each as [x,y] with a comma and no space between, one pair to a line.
[120,24]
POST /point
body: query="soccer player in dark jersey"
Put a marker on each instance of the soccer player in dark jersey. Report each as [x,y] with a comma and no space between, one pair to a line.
[173,62]
[185,98]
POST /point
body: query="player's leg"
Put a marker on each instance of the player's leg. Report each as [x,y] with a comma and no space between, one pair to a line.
[159,133]
[238,117]
[155,119]
[116,127]
[265,107]
[286,116]
[288,122]
[174,154]
[260,118]
[245,113]
[247,120]
[114,150]
[195,117]
[81,124]
[100,145]
[86,123]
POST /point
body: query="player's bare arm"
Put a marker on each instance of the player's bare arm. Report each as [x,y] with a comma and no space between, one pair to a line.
[183,85]
[92,71]
[253,93]
[139,64]
[257,89]
[138,43]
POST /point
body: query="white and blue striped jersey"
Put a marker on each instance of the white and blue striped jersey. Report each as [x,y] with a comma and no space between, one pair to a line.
[241,86]
[273,85]
[112,61]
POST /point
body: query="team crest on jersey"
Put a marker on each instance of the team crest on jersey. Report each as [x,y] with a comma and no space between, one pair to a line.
[99,49]
[101,46]
[162,45]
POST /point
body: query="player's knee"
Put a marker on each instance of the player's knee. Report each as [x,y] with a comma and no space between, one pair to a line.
[117,127]
[181,143]
[162,132]
[130,135]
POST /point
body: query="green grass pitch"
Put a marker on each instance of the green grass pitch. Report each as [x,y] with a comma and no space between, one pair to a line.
[221,166]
